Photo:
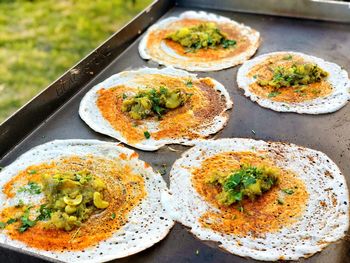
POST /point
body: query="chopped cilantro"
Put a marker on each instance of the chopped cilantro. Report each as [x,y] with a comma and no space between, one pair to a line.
[113,216]
[25,221]
[31,171]
[280,201]
[315,92]
[31,187]
[228,43]
[189,83]
[288,191]
[2,225]
[147,135]
[20,203]
[11,220]
[289,57]
[45,213]
[273,94]
[298,91]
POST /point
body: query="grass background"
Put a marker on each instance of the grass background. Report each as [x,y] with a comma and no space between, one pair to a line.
[40,40]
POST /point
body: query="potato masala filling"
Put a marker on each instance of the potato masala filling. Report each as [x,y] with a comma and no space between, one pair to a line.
[202,36]
[153,102]
[288,78]
[71,198]
[251,193]
[71,203]
[248,181]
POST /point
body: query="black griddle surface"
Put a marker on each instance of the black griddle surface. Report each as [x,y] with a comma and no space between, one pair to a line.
[329,133]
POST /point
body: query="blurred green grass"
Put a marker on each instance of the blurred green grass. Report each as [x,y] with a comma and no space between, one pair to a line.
[40,40]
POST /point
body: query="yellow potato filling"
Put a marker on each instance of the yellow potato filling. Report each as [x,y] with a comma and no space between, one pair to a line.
[72,198]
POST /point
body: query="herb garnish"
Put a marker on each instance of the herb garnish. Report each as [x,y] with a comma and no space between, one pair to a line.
[315,92]
[273,94]
[11,220]
[189,83]
[249,181]
[25,221]
[45,213]
[113,216]
[288,57]
[31,187]
[20,203]
[288,191]
[298,91]
[228,43]
[147,134]
[280,201]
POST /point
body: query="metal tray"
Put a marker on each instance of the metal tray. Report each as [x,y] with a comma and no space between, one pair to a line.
[53,114]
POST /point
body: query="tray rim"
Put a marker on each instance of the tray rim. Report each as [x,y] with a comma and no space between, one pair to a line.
[324,10]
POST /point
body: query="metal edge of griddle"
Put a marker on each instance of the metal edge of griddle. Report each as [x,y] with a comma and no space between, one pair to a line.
[38,109]
[28,253]
[309,9]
